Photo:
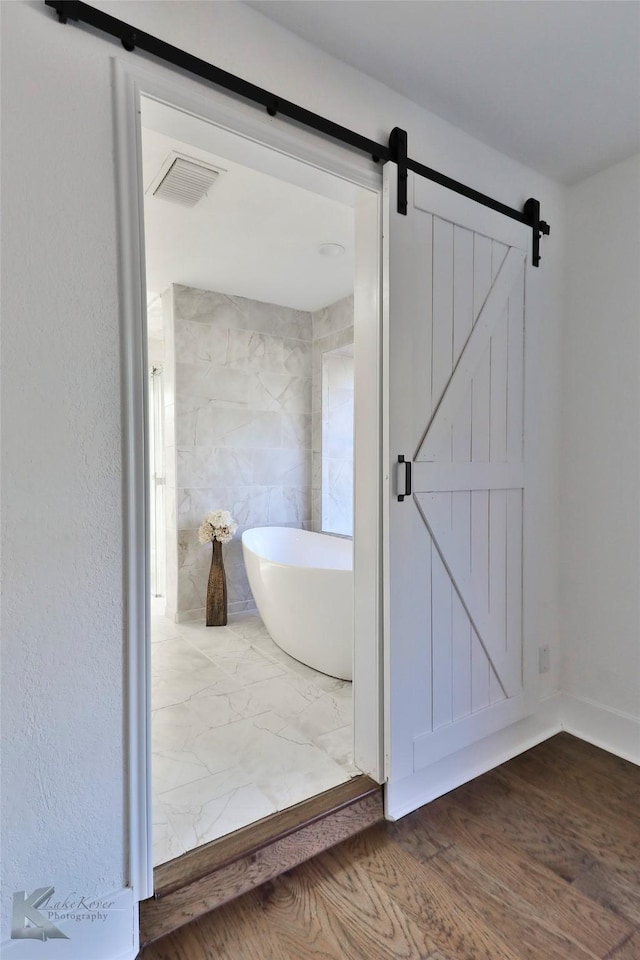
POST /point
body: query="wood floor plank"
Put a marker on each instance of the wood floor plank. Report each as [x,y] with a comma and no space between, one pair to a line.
[550,835]
[612,841]
[562,836]
[539,897]
[309,915]
[623,777]
[516,922]
[569,778]
[410,833]
[423,895]
[520,824]
[363,906]
[299,918]
[630,950]
[232,932]
[611,892]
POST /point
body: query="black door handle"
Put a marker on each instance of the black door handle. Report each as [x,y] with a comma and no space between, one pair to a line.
[406,479]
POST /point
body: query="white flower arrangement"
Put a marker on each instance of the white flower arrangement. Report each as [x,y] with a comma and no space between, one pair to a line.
[218,525]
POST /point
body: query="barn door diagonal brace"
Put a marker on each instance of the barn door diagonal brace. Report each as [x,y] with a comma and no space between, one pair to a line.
[133,39]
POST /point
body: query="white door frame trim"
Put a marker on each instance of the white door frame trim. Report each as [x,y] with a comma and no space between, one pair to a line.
[131,81]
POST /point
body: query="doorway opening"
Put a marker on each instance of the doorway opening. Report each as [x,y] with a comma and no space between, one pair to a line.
[253,296]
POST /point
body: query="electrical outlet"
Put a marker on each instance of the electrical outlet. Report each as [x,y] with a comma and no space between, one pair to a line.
[544,659]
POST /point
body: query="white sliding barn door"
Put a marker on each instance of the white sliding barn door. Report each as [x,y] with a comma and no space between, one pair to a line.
[454,305]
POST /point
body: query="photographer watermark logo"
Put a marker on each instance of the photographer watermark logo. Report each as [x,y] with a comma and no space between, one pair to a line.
[35,917]
[28,923]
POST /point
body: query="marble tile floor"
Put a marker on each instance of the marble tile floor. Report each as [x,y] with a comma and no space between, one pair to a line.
[239,730]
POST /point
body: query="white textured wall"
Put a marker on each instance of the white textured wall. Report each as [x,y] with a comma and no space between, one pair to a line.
[64,760]
[601,448]
[62,619]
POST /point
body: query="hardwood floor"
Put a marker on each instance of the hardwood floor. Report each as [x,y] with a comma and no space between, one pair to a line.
[537,860]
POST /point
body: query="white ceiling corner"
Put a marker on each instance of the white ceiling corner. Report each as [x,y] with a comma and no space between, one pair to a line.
[554,84]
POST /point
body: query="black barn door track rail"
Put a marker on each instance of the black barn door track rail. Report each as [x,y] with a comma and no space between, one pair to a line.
[396,151]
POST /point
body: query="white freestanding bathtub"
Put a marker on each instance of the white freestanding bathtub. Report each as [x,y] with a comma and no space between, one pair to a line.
[302,583]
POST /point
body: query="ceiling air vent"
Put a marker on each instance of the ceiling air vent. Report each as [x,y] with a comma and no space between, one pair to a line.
[185,181]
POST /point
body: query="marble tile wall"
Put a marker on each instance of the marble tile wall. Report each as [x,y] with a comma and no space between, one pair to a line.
[332,330]
[242,420]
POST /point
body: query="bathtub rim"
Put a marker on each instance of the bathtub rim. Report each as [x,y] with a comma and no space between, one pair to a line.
[300,566]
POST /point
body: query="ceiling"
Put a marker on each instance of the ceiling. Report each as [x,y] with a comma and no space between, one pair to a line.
[253,235]
[554,84]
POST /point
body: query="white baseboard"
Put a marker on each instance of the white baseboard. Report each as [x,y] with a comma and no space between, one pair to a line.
[612,730]
[451,772]
[112,934]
